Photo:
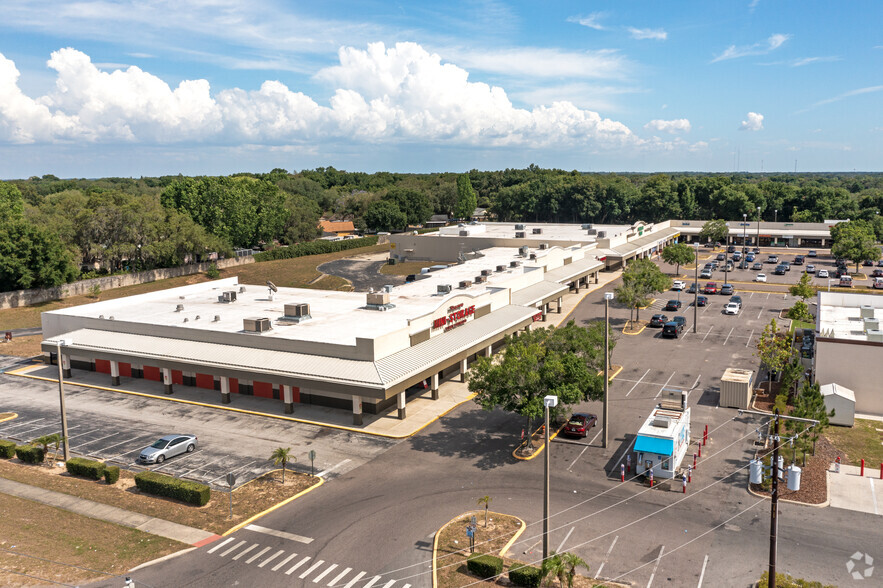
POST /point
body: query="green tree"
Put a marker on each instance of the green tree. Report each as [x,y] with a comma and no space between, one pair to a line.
[45,441]
[809,404]
[554,567]
[628,295]
[486,501]
[678,254]
[562,361]
[385,216]
[466,198]
[715,230]
[413,203]
[791,373]
[302,223]
[281,456]
[31,257]
[803,288]
[571,563]
[855,241]
[644,279]
[773,348]
[11,201]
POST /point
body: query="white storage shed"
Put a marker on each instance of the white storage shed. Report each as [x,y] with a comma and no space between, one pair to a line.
[842,400]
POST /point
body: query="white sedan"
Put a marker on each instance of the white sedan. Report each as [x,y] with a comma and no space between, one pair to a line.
[731,308]
[678,285]
[822,273]
[760,278]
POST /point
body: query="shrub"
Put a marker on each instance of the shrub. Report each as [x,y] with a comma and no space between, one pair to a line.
[162,485]
[30,453]
[111,474]
[786,581]
[799,312]
[314,248]
[485,566]
[527,576]
[80,466]
[7,449]
[213,273]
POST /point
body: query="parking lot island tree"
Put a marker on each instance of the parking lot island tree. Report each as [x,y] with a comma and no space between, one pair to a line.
[560,361]
[809,404]
[715,230]
[855,241]
[640,280]
[281,456]
[486,501]
[678,254]
[773,348]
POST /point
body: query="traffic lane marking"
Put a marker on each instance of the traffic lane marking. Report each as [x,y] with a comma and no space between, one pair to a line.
[636,382]
[702,574]
[332,468]
[280,534]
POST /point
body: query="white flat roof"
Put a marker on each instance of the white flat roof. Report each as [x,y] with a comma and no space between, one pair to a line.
[673,418]
[840,314]
[551,231]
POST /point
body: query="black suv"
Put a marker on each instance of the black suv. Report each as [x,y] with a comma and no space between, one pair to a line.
[674,328]
[658,320]
[780,270]
[798,260]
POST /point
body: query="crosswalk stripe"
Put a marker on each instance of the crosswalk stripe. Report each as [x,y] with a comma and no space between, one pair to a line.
[271,558]
[283,562]
[372,582]
[311,568]
[339,576]
[257,555]
[406,586]
[234,548]
[325,573]
[298,564]
[241,553]
[389,584]
[354,580]
[221,544]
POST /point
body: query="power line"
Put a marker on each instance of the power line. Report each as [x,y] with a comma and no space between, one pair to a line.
[61,563]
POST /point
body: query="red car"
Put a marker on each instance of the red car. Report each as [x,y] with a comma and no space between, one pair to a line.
[711,288]
[579,424]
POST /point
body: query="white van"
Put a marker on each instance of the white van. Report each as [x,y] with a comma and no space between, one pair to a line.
[878,283]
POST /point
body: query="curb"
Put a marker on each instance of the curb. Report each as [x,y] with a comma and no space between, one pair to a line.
[638,332]
[820,505]
[539,449]
[9,418]
[271,509]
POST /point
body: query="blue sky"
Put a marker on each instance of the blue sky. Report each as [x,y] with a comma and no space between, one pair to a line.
[137,87]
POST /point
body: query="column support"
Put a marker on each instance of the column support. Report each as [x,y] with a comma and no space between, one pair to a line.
[559,304]
[434,385]
[114,373]
[357,411]
[400,401]
[167,380]
[287,398]
[463,367]
[225,390]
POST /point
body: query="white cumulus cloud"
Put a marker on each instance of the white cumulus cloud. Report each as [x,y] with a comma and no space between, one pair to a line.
[590,21]
[679,125]
[754,122]
[654,34]
[380,94]
[760,48]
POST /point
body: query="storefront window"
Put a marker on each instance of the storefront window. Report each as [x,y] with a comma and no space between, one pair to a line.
[666,465]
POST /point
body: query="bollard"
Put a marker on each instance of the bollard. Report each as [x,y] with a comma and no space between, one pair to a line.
[700,450]
[685,483]
[694,461]
[705,436]
[621,473]
[837,465]
[863,468]
[651,478]
[690,473]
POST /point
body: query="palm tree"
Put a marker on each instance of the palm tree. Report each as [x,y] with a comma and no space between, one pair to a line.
[486,501]
[572,561]
[45,441]
[282,456]
[554,567]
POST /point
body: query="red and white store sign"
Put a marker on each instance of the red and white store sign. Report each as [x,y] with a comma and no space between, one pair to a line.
[456,316]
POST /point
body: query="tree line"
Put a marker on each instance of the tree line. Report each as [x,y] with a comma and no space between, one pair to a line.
[56,230]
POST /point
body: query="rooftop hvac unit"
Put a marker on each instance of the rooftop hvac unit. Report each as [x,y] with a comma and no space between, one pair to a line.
[217,318]
[388,288]
[444,289]
[480,279]
[179,308]
[661,421]
[298,309]
[867,311]
[523,250]
[501,268]
[465,284]
[256,324]
[875,336]
[602,234]
[537,231]
[587,226]
[871,324]
[514,263]
[378,298]
[519,227]
[533,256]
[544,245]
[241,289]
[519,234]
[228,296]
[592,232]
[464,233]
[486,272]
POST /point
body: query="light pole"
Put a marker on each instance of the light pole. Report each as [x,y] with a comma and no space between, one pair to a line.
[58,344]
[774,492]
[829,283]
[775,215]
[726,253]
[696,291]
[550,401]
[744,226]
[608,296]
[758,229]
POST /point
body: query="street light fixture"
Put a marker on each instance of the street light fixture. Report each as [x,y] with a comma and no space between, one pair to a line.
[550,401]
[775,215]
[608,296]
[58,344]
[829,283]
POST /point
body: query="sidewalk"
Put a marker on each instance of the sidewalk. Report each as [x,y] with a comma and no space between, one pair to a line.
[108,513]
[851,491]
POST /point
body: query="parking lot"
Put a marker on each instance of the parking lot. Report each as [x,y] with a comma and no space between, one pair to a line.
[114,428]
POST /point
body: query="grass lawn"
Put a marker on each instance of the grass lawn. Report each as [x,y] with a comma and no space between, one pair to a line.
[22,346]
[299,272]
[60,536]
[801,325]
[864,440]
[248,500]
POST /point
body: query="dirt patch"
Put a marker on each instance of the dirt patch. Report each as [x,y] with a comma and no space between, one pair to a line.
[26,346]
[248,500]
[41,545]
[814,478]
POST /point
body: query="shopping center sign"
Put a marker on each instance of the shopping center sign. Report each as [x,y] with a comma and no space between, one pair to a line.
[455,316]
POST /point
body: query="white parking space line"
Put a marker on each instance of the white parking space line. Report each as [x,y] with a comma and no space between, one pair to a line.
[340,576]
[873,495]
[17,424]
[656,566]
[702,575]
[706,334]
[311,568]
[636,383]
[696,383]
[332,468]
[280,534]
[234,548]
[570,467]
[257,555]
[354,580]
[69,437]
[213,480]
[24,434]
[666,384]
[271,558]
[93,440]
[751,334]
[203,466]
[323,574]
[283,562]
[243,552]
[566,537]
[606,557]
[728,335]
[221,544]
[621,457]
[297,565]
[759,314]
[123,442]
